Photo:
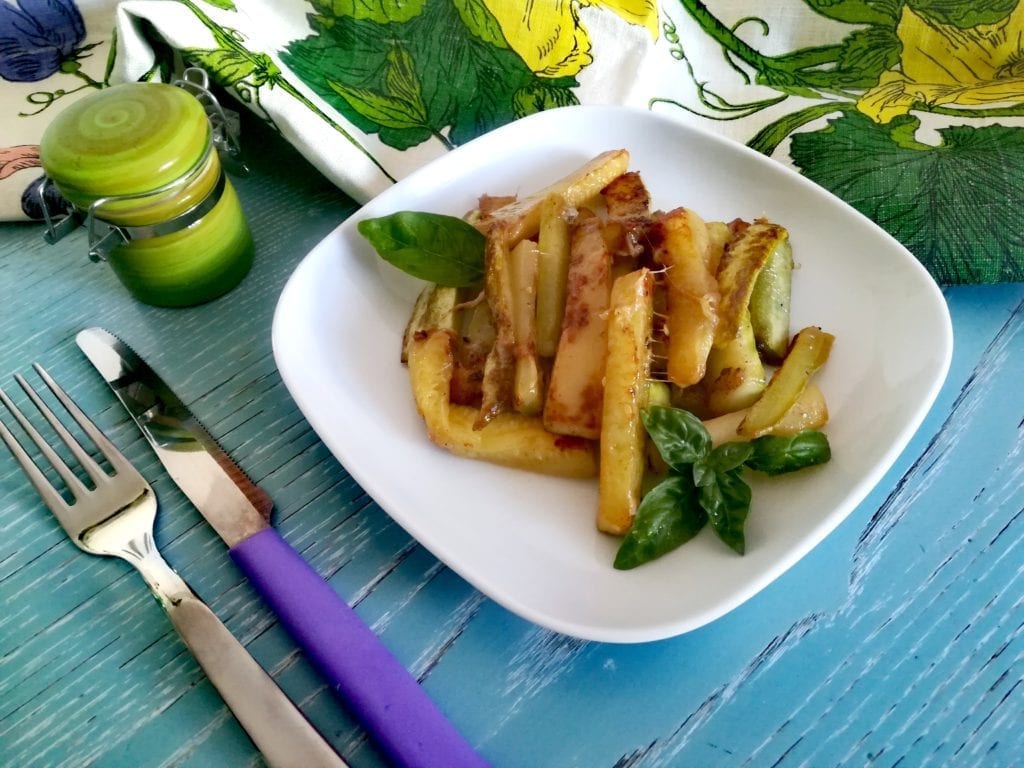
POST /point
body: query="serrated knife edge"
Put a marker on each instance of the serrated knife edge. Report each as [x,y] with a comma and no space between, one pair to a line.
[226,497]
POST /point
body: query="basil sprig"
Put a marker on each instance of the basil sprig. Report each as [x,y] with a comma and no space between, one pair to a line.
[705,484]
[431,246]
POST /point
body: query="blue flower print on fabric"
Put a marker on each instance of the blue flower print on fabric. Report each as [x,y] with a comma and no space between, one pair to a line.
[36,37]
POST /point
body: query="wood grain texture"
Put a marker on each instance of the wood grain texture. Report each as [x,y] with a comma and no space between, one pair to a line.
[897,642]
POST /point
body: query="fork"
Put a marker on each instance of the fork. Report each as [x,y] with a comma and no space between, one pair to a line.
[115,517]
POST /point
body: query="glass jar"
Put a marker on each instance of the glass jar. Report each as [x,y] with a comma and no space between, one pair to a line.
[138,161]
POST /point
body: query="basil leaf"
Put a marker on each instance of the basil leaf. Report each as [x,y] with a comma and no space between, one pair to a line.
[776,454]
[668,516]
[439,249]
[729,456]
[704,473]
[679,435]
[724,458]
[727,502]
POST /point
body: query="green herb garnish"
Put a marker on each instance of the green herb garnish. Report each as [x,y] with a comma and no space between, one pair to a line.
[705,484]
[776,455]
[669,515]
[439,249]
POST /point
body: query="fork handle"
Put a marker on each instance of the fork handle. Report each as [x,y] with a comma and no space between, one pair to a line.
[396,711]
[276,726]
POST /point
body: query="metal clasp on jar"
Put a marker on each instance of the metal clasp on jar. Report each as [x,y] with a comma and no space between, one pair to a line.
[104,236]
[223,122]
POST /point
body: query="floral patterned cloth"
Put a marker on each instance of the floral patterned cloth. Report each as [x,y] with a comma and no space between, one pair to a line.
[911,110]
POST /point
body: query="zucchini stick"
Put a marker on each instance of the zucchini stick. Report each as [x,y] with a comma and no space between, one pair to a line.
[553,242]
[575,391]
[521,219]
[809,351]
[499,370]
[736,376]
[810,411]
[434,308]
[627,367]
[770,303]
[742,262]
[528,397]
[682,244]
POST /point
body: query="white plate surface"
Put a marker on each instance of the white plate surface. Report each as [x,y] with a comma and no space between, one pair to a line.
[529,541]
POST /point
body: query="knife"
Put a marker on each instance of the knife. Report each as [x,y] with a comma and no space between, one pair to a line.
[394,709]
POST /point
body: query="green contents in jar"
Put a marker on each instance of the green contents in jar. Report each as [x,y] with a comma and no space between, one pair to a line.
[139,156]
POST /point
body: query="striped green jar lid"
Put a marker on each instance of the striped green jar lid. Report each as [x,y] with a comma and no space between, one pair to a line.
[124,140]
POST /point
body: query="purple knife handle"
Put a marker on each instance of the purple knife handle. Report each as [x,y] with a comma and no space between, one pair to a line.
[389,702]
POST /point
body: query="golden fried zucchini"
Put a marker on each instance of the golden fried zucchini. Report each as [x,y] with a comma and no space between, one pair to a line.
[735,374]
[719,235]
[510,439]
[488,204]
[521,219]
[626,197]
[434,308]
[681,244]
[810,411]
[553,242]
[744,258]
[627,367]
[528,394]
[770,303]
[499,370]
[575,391]
[809,351]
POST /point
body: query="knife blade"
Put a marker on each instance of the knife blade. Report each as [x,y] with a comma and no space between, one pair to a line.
[395,710]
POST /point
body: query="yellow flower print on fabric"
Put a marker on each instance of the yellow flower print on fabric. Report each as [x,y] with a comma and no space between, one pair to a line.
[943,64]
[548,34]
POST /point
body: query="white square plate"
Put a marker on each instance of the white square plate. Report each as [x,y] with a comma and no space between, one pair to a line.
[529,541]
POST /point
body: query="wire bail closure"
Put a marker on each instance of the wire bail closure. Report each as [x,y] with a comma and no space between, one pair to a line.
[56,228]
[104,237]
[224,123]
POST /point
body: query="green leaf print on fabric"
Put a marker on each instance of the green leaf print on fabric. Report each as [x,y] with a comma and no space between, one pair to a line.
[856,62]
[887,12]
[380,11]
[452,82]
[949,204]
[229,65]
[883,12]
[865,55]
[541,95]
[401,106]
[480,22]
[963,14]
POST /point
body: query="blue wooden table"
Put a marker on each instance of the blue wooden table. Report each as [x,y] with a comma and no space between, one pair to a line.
[898,641]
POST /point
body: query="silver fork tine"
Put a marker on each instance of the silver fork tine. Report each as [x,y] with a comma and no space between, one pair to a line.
[50,495]
[117,460]
[81,455]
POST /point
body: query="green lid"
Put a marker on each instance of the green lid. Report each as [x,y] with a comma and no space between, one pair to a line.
[124,140]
